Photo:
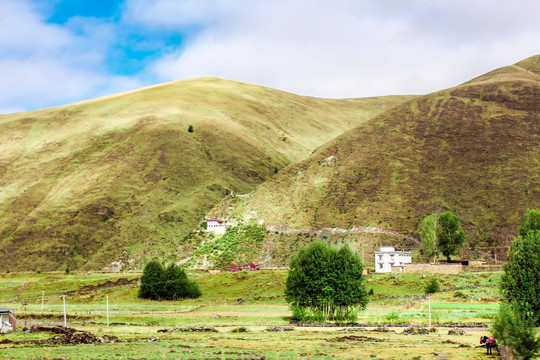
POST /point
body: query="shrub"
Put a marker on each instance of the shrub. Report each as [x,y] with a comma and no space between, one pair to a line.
[190,128]
[299,313]
[392,317]
[433,286]
[516,331]
[240,329]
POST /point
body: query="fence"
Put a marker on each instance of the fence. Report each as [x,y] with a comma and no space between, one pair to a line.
[54,307]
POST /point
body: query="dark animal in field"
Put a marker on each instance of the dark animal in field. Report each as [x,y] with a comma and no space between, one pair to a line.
[490,343]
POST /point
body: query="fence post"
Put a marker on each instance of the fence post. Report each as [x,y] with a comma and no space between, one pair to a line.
[42,300]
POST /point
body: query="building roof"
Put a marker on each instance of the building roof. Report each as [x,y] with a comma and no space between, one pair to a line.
[5,310]
[214,219]
[392,252]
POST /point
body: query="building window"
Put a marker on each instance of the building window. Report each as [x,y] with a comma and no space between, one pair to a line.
[380,266]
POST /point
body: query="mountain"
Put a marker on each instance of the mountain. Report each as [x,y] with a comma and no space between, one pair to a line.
[122,178]
[473,149]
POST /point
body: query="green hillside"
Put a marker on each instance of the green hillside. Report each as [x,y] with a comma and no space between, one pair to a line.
[121,178]
[473,149]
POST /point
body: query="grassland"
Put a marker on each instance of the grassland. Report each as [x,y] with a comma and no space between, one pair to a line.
[252,302]
[473,149]
[121,178]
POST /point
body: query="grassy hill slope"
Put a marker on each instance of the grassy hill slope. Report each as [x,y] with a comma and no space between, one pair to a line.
[120,177]
[473,149]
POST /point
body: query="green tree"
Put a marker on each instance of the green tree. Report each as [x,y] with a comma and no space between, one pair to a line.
[190,128]
[433,286]
[520,283]
[175,283]
[325,283]
[450,237]
[152,279]
[429,237]
[178,286]
[517,332]
[531,221]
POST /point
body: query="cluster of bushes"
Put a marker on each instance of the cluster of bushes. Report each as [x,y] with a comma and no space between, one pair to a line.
[171,283]
[239,243]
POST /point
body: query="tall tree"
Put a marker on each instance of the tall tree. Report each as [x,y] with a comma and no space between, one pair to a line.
[531,221]
[517,332]
[449,234]
[152,280]
[520,283]
[326,282]
[429,237]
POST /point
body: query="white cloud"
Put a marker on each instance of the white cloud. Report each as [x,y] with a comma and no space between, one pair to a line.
[342,48]
[43,64]
[47,81]
[176,14]
[348,48]
[22,30]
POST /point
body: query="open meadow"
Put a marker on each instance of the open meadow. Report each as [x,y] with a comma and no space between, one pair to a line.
[242,315]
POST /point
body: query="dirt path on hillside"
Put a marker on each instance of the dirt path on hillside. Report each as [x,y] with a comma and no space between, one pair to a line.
[330,231]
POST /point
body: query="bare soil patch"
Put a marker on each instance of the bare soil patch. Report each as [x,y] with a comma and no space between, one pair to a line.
[356,338]
[106,285]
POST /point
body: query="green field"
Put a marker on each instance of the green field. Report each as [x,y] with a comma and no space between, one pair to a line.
[251,301]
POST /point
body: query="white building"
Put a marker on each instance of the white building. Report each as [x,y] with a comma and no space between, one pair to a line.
[387,256]
[215,226]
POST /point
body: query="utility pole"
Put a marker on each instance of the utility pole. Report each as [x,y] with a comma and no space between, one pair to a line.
[65,318]
[429,309]
[107,310]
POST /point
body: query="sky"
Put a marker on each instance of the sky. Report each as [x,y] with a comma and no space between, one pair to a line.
[55,52]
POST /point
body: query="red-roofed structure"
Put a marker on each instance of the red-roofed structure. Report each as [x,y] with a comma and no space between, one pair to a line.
[215,226]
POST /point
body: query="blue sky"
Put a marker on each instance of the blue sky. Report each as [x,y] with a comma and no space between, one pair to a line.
[54,52]
[61,11]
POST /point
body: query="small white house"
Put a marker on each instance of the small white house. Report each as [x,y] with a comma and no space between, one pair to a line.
[215,226]
[387,256]
[8,323]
